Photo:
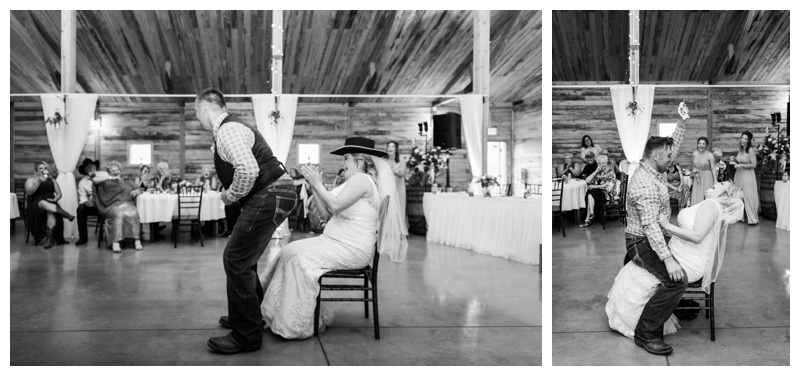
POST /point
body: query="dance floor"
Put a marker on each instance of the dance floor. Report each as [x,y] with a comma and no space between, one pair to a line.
[752,306]
[87,306]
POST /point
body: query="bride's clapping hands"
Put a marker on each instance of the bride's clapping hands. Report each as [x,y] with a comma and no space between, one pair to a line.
[312,175]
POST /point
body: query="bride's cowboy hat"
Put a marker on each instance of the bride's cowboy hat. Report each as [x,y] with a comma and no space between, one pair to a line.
[86,163]
[363,145]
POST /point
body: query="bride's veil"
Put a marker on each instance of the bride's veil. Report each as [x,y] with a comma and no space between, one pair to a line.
[393,238]
[730,210]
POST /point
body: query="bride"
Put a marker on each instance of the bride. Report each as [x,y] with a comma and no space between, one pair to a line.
[291,279]
[700,235]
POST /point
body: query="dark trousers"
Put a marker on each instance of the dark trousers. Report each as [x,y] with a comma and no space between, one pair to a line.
[232,212]
[83,214]
[658,309]
[259,218]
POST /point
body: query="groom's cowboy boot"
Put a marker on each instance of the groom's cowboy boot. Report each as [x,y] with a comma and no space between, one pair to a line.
[228,345]
[655,347]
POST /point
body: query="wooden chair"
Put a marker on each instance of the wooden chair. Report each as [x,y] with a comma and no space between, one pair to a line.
[616,208]
[99,224]
[368,273]
[22,203]
[558,214]
[694,291]
[536,189]
[190,199]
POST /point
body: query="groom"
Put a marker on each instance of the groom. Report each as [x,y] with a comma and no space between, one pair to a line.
[646,244]
[249,172]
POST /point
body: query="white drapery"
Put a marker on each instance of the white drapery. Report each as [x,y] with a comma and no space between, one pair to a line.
[66,144]
[278,136]
[472,126]
[633,130]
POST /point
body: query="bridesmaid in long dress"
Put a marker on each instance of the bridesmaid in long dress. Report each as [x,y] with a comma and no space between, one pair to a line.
[706,174]
[745,177]
[399,168]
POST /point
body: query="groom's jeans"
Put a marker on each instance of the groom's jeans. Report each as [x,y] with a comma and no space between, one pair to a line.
[658,309]
[260,216]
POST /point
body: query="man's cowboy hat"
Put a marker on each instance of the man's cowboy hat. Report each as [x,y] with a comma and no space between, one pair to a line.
[86,163]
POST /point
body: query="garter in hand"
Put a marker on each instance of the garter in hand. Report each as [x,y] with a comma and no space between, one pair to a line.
[683,111]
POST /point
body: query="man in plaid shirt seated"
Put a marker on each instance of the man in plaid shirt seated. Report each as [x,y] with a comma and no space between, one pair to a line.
[646,244]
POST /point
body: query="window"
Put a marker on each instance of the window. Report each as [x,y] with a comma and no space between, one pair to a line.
[139,154]
[308,153]
[496,161]
[666,129]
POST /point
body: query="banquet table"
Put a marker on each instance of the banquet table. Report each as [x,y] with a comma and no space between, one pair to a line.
[161,207]
[782,193]
[574,196]
[14,206]
[507,227]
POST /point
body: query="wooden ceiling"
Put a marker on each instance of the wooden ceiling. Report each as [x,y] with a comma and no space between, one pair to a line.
[326,52]
[676,46]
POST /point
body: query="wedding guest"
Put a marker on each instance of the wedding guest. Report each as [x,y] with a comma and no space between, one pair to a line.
[590,167]
[705,170]
[611,164]
[144,181]
[398,166]
[745,177]
[208,181]
[291,281]
[86,197]
[722,167]
[677,189]
[587,146]
[339,178]
[600,189]
[116,203]
[44,214]
[163,178]
[568,167]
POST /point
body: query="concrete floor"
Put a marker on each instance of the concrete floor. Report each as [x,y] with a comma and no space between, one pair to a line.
[88,306]
[752,307]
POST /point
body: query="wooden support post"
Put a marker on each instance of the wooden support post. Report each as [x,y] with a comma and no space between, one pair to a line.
[633,59]
[349,122]
[183,142]
[710,122]
[68,52]
[11,159]
[277,52]
[480,71]
[98,139]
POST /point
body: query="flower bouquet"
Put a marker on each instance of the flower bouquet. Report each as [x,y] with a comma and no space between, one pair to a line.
[426,165]
[486,182]
[632,107]
[775,149]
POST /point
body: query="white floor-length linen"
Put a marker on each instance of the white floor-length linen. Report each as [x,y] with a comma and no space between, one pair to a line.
[782,193]
[633,130]
[66,145]
[507,227]
[160,207]
[472,127]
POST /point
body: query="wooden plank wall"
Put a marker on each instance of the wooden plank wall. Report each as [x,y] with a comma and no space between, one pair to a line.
[322,123]
[589,111]
[527,150]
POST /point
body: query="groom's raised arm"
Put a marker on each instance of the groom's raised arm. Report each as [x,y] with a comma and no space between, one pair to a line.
[647,204]
[677,137]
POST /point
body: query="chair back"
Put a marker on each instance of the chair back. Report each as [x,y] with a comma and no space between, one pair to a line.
[623,192]
[381,216]
[536,189]
[558,191]
[190,199]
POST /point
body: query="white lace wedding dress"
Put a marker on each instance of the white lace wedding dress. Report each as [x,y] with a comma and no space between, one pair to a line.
[291,280]
[634,286]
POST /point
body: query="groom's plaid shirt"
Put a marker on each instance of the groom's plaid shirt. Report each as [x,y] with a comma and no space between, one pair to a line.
[648,200]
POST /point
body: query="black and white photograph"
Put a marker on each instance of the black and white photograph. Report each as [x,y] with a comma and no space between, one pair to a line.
[328,187]
[670,151]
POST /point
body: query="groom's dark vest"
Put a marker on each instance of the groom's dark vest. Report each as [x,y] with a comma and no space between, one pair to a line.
[269,168]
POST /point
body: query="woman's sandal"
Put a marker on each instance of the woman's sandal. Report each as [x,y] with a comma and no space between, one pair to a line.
[586,223]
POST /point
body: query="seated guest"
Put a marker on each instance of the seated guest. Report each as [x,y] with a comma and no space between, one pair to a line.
[208,181]
[115,202]
[163,179]
[44,213]
[601,183]
[722,167]
[591,166]
[611,164]
[145,181]
[568,167]
[677,189]
[86,197]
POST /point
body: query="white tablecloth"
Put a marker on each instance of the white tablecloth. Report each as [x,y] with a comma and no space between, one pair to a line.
[574,196]
[14,206]
[506,227]
[162,207]
[782,193]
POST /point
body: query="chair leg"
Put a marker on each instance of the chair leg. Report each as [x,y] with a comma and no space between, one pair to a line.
[375,308]
[711,310]
[316,310]
[366,297]
[563,225]
[200,234]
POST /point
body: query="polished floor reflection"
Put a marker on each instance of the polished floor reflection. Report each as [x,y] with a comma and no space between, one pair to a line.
[752,305]
[82,305]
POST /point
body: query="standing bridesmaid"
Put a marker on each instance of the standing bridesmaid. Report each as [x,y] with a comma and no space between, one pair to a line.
[745,177]
[706,168]
[399,168]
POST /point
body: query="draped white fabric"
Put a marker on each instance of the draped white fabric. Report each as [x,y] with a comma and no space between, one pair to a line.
[66,145]
[279,137]
[472,126]
[633,130]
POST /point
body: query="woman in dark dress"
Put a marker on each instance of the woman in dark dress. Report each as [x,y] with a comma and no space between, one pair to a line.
[44,213]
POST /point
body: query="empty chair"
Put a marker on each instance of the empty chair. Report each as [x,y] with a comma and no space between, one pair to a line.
[616,207]
[558,214]
[190,200]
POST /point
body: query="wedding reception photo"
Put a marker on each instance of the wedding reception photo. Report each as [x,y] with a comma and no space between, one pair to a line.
[278,187]
[670,148]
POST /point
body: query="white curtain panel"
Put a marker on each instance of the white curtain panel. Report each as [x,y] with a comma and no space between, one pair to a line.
[279,137]
[633,130]
[472,126]
[66,145]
